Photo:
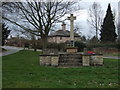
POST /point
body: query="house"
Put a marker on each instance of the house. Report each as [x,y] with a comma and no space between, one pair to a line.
[16,41]
[62,36]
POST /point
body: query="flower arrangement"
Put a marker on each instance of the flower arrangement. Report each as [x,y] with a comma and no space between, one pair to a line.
[90,52]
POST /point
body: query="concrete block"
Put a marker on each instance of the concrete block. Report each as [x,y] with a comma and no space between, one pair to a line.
[45,60]
[96,60]
[86,60]
[54,60]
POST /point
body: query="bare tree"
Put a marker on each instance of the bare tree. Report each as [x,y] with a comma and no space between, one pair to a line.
[78,29]
[95,17]
[41,16]
[115,17]
[118,26]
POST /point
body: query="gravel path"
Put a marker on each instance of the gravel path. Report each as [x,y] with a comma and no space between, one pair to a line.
[10,50]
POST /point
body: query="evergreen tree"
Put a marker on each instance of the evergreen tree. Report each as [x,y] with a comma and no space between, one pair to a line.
[5,33]
[108,33]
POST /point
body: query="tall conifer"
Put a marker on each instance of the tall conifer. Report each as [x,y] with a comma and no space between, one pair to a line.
[108,33]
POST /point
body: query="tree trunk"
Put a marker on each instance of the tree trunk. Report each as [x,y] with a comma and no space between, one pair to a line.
[44,42]
[96,30]
[35,46]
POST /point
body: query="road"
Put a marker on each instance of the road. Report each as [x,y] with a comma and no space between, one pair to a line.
[112,57]
[10,50]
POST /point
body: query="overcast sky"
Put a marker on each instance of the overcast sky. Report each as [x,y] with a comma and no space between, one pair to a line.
[82,15]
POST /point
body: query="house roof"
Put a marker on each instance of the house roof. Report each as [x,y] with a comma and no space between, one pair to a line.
[63,33]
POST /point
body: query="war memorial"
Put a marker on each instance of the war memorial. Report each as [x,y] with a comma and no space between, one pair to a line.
[71,57]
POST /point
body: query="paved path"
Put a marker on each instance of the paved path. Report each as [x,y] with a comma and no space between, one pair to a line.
[112,57]
[10,50]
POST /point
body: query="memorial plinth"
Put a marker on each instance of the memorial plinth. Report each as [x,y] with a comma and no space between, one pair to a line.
[71,57]
[71,49]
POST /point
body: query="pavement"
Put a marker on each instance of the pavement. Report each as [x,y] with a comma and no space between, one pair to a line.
[10,50]
[112,57]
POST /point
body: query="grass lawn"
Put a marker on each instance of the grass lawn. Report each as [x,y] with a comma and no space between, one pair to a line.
[22,70]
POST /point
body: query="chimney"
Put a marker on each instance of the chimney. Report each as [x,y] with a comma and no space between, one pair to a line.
[63,26]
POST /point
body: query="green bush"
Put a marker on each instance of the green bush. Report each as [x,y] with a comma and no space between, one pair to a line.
[52,45]
[26,45]
[80,45]
[60,46]
[102,45]
[38,46]
[105,46]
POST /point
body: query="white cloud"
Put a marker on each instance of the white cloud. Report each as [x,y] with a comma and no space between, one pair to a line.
[100,1]
[83,15]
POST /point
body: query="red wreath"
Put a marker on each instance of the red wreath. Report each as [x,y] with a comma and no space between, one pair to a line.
[90,52]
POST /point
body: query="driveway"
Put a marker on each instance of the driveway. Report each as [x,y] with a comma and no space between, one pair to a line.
[10,50]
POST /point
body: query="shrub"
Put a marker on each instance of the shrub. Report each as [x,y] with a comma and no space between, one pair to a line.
[39,46]
[102,45]
[26,45]
[61,46]
[80,45]
[52,45]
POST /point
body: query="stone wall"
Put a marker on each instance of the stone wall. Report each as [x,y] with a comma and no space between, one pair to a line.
[74,59]
[50,59]
[92,59]
[85,60]
[96,60]
[54,60]
[45,60]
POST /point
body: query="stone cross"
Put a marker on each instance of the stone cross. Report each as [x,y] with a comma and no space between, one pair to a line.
[72,18]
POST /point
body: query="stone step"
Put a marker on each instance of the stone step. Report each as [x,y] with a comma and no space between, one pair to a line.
[70,56]
[62,63]
[70,60]
[67,64]
[74,59]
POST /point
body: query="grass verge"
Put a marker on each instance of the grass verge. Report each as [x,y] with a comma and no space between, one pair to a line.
[22,70]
